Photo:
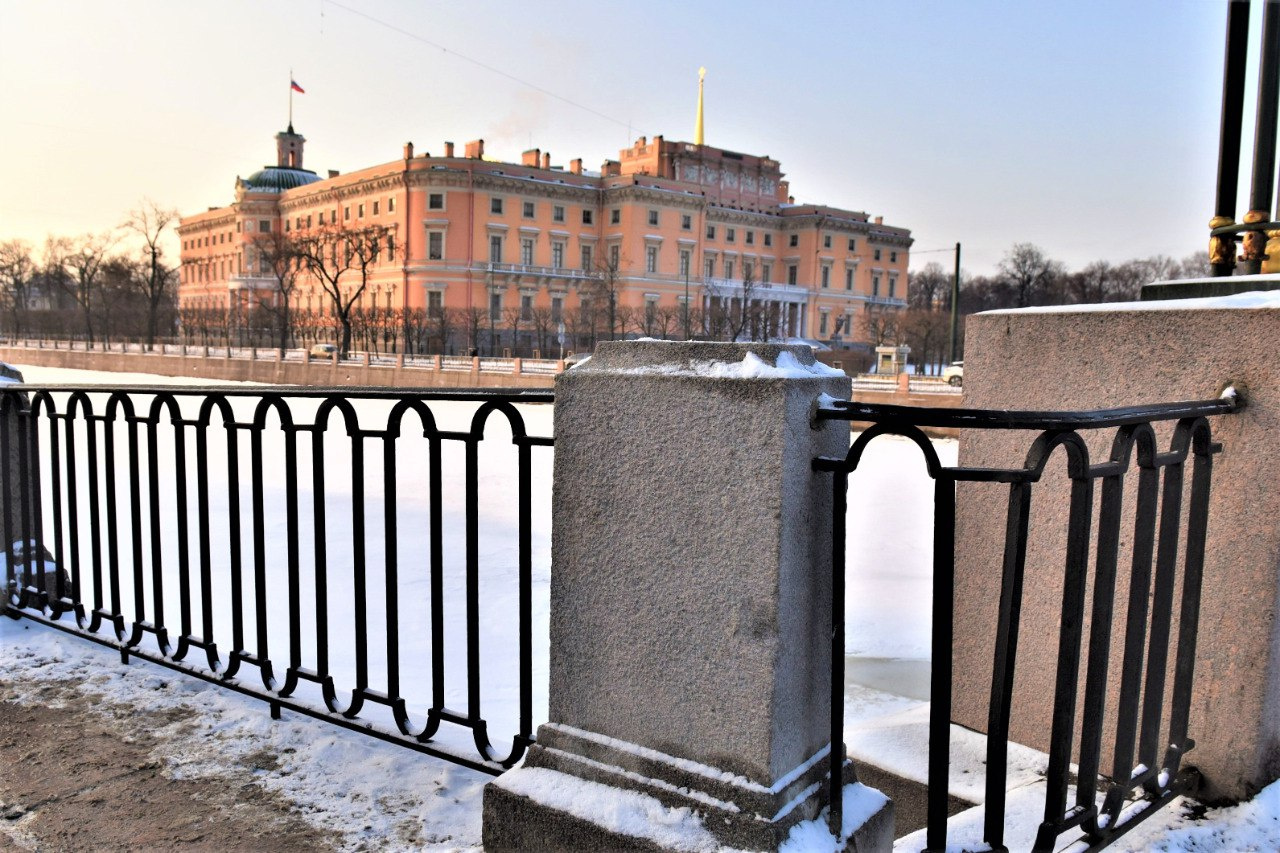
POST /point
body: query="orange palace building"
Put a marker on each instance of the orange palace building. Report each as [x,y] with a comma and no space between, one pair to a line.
[467,233]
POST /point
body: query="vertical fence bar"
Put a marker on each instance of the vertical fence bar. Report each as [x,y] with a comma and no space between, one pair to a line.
[435,489]
[1222,249]
[835,760]
[1264,139]
[261,648]
[113,538]
[183,528]
[291,535]
[321,550]
[360,566]
[1070,632]
[1006,653]
[1144,532]
[473,577]
[1161,618]
[157,547]
[8,415]
[95,513]
[235,537]
[391,558]
[944,570]
[1189,615]
[32,562]
[524,485]
[1100,622]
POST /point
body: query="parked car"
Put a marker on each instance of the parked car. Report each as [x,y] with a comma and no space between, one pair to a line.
[323,350]
[954,373]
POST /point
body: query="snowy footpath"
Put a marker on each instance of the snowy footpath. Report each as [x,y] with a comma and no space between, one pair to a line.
[98,755]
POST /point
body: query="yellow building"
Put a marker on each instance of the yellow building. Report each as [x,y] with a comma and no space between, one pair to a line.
[672,239]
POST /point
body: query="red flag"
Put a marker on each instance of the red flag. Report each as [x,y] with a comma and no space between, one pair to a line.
[293,84]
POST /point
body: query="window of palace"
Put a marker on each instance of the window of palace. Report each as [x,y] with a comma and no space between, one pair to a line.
[557,213]
[529,210]
[615,216]
[686,222]
[495,204]
[711,232]
[435,201]
[653,218]
[795,241]
[768,239]
[826,241]
[730,235]
[587,216]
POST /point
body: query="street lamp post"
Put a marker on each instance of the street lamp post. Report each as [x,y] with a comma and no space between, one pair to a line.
[955,303]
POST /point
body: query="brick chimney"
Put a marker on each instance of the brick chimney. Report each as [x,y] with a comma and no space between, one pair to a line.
[879,220]
[448,149]
[546,160]
[530,157]
[333,173]
[575,166]
[475,149]
[408,151]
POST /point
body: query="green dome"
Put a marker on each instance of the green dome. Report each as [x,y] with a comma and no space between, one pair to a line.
[274,179]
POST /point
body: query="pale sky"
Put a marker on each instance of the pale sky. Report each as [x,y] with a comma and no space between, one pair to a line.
[1088,127]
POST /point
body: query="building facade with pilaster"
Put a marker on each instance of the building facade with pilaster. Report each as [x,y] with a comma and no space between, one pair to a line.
[670,240]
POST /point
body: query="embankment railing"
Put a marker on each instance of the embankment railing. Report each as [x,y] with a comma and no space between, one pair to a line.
[1157,515]
[319,547]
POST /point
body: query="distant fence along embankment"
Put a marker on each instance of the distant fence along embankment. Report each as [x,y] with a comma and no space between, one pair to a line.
[292,367]
[297,367]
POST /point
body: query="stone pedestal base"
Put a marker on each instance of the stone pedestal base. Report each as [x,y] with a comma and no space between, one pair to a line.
[583,791]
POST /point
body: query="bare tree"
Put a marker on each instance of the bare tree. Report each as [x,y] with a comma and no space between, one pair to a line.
[603,289]
[279,256]
[149,222]
[17,275]
[336,255]
[81,263]
[542,323]
[929,288]
[1029,274]
[881,327]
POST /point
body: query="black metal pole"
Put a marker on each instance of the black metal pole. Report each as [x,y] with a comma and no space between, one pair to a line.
[1222,249]
[955,308]
[1264,139]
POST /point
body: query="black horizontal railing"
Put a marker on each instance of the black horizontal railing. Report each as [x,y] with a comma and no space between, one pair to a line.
[1156,774]
[270,528]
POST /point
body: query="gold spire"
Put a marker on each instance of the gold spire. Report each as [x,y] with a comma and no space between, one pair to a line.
[697,130]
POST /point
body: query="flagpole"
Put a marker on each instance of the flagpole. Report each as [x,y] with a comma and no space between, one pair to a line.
[291,97]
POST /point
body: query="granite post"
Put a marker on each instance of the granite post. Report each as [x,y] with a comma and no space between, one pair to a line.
[690,593]
[1099,357]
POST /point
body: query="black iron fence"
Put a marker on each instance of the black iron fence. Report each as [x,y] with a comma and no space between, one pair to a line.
[1156,773]
[327,541]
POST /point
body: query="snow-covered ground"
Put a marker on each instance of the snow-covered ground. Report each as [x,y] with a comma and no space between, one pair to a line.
[367,791]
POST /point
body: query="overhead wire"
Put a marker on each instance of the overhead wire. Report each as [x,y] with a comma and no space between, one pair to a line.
[476,62]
